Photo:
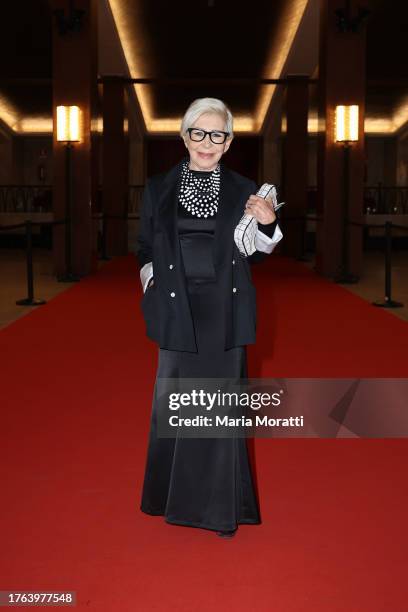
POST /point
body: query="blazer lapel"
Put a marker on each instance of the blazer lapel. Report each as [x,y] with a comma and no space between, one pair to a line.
[167,208]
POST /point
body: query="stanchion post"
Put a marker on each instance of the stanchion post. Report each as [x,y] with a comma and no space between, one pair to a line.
[104,255]
[302,255]
[388,250]
[29,300]
[388,301]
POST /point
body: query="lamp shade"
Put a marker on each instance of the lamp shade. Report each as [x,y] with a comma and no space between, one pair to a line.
[68,123]
[346,123]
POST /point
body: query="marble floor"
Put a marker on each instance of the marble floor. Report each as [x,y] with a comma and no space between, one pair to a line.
[13,281]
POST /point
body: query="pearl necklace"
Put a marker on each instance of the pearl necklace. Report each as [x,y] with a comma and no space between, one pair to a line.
[199,195]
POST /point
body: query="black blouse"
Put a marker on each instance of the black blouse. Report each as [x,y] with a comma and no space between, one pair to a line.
[196,235]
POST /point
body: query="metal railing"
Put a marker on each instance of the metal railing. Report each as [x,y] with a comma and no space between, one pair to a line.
[378,199]
[67,276]
[25,198]
[38,198]
[386,200]
[344,276]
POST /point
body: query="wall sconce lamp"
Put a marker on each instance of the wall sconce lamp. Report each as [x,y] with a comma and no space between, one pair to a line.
[68,123]
[68,132]
[346,123]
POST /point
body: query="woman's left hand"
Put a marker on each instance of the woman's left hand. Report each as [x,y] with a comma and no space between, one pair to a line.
[261,209]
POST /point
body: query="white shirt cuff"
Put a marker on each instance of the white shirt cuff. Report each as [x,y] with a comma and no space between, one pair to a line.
[266,244]
[146,273]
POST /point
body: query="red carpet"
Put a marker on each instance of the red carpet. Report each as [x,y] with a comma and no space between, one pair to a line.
[76,383]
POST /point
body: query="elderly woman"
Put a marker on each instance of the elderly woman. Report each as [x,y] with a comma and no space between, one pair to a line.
[199,307]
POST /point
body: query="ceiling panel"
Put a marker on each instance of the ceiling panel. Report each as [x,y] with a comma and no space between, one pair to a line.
[25,41]
[207,39]
[202,39]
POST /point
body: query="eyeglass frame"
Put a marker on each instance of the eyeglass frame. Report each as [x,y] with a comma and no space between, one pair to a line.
[226,134]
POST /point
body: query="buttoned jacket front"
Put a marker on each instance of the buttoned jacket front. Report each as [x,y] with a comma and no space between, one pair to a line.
[165,305]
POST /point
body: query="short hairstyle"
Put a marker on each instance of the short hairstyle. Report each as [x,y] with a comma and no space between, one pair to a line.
[206,105]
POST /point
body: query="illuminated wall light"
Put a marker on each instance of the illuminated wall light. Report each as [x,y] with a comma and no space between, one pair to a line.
[378,126]
[68,123]
[277,55]
[346,123]
[372,125]
[400,115]
[97,125]
[35,125]
[242,124]
[135,47]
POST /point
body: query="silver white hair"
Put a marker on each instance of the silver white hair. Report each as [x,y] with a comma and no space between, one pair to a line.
[206,105]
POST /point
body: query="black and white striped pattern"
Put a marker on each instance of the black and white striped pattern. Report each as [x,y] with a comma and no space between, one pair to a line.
[247,228]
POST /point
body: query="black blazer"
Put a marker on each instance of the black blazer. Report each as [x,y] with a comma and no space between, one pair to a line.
[165,304]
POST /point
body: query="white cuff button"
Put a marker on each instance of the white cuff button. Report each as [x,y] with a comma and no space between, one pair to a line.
[173,294]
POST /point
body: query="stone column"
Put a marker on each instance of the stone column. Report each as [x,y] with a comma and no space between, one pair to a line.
[341,81]
[115,164]
[75,83]
[296,162]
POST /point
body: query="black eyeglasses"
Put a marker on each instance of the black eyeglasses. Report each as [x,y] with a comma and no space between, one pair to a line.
[216,136]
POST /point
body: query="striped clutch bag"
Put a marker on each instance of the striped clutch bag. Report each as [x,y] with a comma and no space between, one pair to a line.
[245,231]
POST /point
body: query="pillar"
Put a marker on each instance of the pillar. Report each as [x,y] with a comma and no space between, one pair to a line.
[115,164]
[295,162]
[75,83]
[341,81]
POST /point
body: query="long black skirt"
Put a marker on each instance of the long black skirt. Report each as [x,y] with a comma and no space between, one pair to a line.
[200,482]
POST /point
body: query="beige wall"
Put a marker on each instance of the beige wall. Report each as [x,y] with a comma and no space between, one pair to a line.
[11,158]
[6,157]
[32,149]
[381,161]
[402,158]
[20,158]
